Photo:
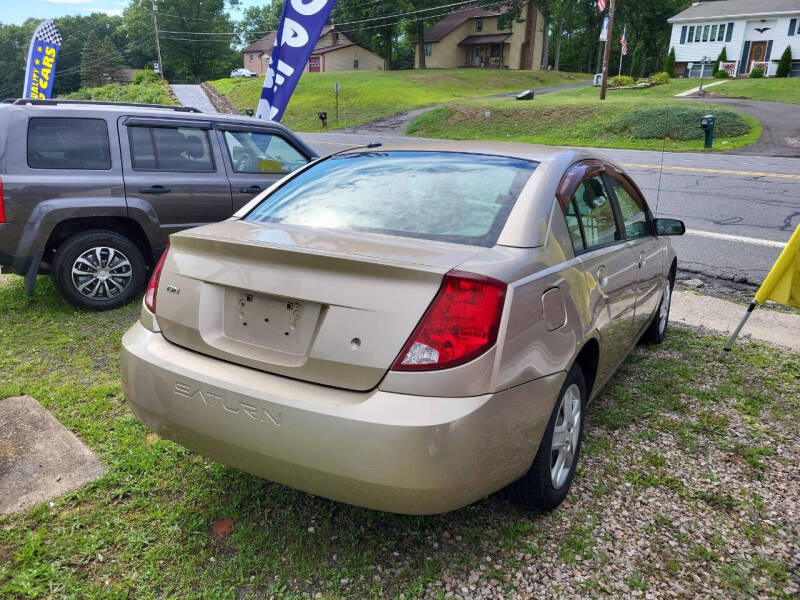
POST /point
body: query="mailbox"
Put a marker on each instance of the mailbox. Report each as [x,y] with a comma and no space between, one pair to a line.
[707,123]
[323,116]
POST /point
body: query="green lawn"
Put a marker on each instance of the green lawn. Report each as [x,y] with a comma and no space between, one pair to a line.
[367,96]
[578,117]
[773,89]
[676,439]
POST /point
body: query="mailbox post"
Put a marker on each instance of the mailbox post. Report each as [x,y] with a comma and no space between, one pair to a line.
[707,123]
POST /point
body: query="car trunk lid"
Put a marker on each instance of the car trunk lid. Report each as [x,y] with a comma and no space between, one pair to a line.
[327,307]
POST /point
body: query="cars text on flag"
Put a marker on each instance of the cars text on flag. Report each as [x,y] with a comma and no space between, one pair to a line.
[42,55]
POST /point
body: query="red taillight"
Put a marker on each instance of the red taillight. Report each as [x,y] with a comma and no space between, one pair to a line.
[2,208]
[460,324]
[152,287]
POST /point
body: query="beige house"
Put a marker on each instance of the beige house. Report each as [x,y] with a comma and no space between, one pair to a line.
[471,38]
[334,52]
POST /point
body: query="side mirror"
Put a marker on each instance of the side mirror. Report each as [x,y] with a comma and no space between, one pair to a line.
[670,227]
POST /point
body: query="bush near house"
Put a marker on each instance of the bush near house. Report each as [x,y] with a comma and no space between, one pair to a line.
[669,63]
[621,81]
[756,73]
[660,78]
[723,56]
[785,64]
[156,92]
[721,74]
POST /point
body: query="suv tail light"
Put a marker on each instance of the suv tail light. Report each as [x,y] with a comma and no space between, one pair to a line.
[152,287]
[460,324]
[2,208]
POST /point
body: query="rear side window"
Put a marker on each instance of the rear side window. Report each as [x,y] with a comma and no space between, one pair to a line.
[446,196]
[633,213]
[181,149]
[59,143]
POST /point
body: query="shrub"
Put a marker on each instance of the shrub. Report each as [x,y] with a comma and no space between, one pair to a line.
[145,77]
[152,93]
[756,73]
[785,64]
[723,56]
[621,81]
[660,78]
[721,74]
[677,123]
[669,63]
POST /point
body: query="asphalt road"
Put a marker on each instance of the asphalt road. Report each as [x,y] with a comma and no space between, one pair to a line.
[739,210]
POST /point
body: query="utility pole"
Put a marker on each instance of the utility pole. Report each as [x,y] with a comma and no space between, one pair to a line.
[158,45]
[606,54]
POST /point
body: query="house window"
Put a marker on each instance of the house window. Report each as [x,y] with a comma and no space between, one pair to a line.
[497,51]
[705,32]
[355,63]
[691,34]
[428,49]
[251,56]
[479,25]
[713,32]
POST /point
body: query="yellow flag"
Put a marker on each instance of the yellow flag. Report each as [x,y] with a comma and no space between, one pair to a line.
[782,284]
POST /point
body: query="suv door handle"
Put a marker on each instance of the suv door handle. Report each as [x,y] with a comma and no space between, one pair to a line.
[250,190]
[156,189]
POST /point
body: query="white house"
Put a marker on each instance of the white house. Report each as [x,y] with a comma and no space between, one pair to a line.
[755,33]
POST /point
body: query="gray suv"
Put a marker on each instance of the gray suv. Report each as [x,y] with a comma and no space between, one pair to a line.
[90,191]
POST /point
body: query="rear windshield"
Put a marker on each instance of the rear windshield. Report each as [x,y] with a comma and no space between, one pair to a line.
[445,196]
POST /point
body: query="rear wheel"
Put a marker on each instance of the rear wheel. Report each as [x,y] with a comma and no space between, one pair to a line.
[98,270]
[657,330]
[547,482]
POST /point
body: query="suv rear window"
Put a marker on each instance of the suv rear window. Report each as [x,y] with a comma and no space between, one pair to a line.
[446,196]
[64,143]
[181,149]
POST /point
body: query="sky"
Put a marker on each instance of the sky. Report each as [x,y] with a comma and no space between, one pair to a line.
[15,12]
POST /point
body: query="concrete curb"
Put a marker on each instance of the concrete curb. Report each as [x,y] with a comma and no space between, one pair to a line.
[721,316]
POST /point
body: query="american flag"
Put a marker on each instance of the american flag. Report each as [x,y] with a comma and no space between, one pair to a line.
[601,5]
[624,42]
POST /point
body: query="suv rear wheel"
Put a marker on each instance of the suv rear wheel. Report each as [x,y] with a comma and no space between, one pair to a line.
[98,270]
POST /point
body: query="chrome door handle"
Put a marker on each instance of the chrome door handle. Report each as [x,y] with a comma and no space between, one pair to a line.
[602,279]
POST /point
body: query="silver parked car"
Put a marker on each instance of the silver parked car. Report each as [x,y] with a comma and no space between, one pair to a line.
[405,329]
[242,73]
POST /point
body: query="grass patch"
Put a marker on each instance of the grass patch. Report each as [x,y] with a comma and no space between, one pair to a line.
[634,119]
[144,529]
[367,96]
[773,89]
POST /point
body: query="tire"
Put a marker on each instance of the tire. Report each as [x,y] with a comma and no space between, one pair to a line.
[98,270]
[657,330]
[544,487]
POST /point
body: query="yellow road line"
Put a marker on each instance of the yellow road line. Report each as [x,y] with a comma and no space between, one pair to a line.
[715,171]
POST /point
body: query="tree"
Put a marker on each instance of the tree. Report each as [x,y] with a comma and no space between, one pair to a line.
[669,63]
[196,37]
[259,19]
[723,56]
[785,64]
[101,62]
[637,60]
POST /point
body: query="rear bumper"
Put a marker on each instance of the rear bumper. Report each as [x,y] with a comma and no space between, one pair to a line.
[381,450]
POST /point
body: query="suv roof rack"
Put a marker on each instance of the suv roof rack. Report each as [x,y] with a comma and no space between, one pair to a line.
[190,109]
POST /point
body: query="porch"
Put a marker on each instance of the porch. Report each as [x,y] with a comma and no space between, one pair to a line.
[486,51]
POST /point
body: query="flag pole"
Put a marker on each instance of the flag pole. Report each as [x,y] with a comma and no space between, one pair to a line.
[607,52]
[738,329]
[624,31]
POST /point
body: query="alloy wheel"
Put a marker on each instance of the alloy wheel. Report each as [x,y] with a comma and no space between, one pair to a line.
[566,435]
[101,272]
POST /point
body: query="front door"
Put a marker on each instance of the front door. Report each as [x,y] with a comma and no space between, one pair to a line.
[172,171]
[757,51]
[611,271]
[314,64]
[255,158]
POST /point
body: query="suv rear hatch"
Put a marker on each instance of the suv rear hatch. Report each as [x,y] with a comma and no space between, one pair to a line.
[328,307]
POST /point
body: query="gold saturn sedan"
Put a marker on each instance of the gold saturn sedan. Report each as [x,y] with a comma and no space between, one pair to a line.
[406,329]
